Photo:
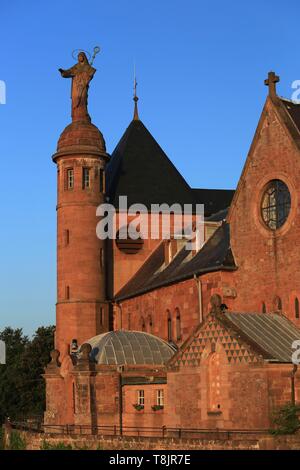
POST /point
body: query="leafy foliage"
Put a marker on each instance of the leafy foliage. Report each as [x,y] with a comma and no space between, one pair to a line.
[58,446]
[16,441]
[22,389]
[286,419]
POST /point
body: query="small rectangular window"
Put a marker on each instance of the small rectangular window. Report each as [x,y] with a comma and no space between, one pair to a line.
[141,397]
[67,292]
[70,178]
[101,259]
[160,397]
[66,237]
[85,178]
[101,316]
[102,182]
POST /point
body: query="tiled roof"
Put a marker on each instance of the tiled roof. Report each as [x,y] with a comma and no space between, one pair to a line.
[293,110]
[214,200]
[140,170]
[215,255]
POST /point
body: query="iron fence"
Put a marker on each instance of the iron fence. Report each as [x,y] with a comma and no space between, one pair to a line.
[134,431]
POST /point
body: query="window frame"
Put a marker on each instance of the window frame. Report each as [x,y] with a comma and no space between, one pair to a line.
[274,214]
[69,179]
[160,397]
[86,177]
[141,397]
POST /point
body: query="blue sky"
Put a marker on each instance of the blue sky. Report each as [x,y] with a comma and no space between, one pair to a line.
[200,71]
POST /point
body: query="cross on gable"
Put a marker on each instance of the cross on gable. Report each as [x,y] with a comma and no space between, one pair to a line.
[271,83]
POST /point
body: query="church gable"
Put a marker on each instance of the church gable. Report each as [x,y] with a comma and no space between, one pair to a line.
[272,153]
[212,332]
[263,217]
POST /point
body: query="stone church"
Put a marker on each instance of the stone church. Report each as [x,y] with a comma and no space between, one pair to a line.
[149,334]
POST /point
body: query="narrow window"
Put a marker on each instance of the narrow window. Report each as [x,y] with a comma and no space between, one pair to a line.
[66,237]
[67,292]
[178,325]
[85,178]
[70,178]
[150,324]
[169,326]
[279,303]
[102,185]
[129,321]
[101,258]
[143,324]
[141,397]
[160,397]
[263,308]
[101,316]
[296,307]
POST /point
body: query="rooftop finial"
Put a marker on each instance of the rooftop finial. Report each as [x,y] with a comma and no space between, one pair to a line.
[135,99]
[271,83]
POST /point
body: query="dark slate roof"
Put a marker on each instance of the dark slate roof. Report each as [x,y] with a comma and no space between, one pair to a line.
[218,216]
[214,200]
[130,347]
[293,110]
[140,169]
[271,334]
[215,255]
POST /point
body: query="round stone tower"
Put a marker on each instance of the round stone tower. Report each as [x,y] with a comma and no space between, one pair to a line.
[81,310]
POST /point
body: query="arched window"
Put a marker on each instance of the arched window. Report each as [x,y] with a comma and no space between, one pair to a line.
[297,307]
[178,324]
[169,325]
[150,324]
[263,308]
[277,304]
[143,324]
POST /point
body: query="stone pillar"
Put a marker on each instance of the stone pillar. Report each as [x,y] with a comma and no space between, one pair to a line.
[55,395]
[85,410]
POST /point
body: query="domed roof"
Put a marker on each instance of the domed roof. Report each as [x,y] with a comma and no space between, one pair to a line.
[130,347]
[81,135]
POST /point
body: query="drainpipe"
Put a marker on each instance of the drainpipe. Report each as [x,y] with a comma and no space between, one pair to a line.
[199,287]
[120,404]
[295,367]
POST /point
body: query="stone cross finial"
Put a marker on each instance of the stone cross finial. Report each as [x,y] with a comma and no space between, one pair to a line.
[271,83]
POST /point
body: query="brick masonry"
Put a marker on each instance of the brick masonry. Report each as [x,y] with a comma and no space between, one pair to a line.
[216,381]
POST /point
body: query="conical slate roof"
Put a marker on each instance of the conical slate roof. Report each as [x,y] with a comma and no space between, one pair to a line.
[140,170]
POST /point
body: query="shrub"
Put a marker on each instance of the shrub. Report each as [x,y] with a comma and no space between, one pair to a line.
[286,419]
[16,441]
[58,446]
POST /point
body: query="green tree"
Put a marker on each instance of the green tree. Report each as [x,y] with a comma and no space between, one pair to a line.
[22,388]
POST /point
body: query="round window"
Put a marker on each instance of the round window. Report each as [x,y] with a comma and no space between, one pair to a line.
[275,204]
[127,244]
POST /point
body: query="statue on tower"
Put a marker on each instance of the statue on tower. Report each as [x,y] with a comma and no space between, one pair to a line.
[81,74]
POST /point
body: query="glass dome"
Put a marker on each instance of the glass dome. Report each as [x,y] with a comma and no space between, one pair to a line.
[130,347]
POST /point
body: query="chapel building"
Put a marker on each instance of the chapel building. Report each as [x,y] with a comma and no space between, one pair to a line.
[150,334]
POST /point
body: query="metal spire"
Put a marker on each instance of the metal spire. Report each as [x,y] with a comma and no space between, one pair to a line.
[135,99]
